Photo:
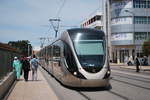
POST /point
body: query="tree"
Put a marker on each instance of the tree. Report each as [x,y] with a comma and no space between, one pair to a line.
[23,45]
[146,47]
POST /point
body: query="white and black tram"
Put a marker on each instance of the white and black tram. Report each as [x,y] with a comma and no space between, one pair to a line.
[78,58]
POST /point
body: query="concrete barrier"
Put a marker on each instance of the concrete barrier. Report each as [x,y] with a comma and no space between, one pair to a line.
[6,84]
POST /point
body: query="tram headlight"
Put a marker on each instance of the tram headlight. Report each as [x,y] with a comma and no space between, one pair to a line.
[107,75]
[108,72]
[75,73]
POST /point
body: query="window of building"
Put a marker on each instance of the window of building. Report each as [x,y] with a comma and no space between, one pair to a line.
[98,17]
[148,35]
[141,3]
[119,4]
[148,20]
[141,20]
[140,36]
[90,21]
[122,20]
[94,18]
[148,4]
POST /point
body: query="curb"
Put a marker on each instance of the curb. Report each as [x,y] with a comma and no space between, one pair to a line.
[10,90]
[6,85]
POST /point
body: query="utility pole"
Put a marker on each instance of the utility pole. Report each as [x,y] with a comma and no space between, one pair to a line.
[56,27]
[42,40]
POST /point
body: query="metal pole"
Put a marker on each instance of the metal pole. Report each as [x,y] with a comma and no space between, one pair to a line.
[56,33]
[55,27]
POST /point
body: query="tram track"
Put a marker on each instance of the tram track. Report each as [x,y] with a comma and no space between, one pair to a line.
[80,91]
[142,72]
[135,85]
[109,91]
[57,92]
[140,80]
[133,77]
[85,96]
[119,95]
[116,93]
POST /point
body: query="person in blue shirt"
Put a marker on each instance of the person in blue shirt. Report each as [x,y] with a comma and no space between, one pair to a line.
[17,67]
[34,65]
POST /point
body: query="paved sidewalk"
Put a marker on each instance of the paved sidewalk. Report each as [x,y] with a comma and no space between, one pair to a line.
[32,90]
[144,68]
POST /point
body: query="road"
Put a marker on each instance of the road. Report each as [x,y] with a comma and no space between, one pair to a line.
[126,84]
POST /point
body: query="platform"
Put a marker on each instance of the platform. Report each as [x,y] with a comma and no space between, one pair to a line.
[32,90]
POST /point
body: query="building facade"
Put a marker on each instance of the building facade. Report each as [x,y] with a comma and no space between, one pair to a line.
[129,27]
[95,20]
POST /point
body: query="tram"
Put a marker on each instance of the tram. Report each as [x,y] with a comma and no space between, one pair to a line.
[78,58]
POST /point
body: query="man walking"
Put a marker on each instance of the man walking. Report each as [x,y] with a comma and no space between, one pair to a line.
[34,64]
[137,64]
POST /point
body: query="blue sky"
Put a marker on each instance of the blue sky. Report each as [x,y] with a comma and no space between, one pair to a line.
[28,19]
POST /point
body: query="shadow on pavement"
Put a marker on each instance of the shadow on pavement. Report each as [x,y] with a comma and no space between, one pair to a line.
[89,89]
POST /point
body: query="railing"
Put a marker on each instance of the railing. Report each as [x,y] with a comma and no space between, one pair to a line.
[6,58]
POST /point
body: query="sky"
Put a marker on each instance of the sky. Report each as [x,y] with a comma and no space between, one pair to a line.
[29,19]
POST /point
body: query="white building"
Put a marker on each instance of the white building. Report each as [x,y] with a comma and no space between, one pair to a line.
[129,22]
[94,21]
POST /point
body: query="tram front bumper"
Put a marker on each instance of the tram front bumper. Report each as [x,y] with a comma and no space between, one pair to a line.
[76,82]
[94,83]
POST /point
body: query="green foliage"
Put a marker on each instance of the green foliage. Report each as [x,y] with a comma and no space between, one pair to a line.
[23,45]
[146,47]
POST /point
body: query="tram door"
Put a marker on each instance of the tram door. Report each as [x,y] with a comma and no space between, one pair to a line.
[123,55]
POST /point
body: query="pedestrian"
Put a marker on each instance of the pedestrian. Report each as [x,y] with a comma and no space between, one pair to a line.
[26,68]
[17,67]
[145,62]
[137,62]
[34,64]
[130,61]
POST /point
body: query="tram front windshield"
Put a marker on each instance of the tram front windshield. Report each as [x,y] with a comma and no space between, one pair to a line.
[90,54]
[89,47]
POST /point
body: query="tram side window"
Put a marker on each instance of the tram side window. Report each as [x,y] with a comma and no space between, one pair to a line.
[45,55]
[69,59]
[42,54]
[56,51]
[49,51]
